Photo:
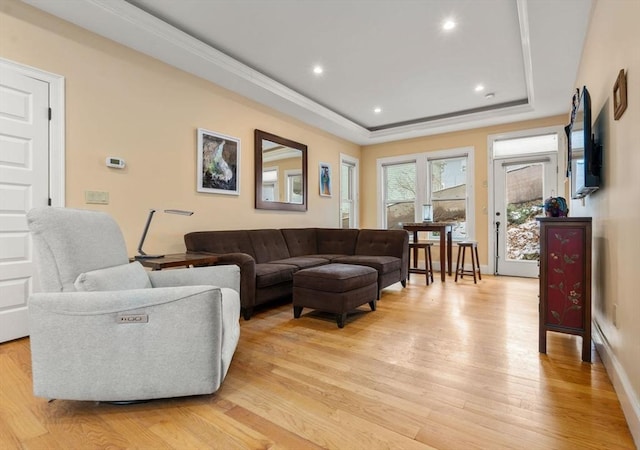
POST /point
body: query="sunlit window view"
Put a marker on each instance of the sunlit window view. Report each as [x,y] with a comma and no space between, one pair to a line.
[400,194]
[445,189]
[448,193]
[524,204]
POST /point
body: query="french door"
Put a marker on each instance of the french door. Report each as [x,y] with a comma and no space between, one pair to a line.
[520,186]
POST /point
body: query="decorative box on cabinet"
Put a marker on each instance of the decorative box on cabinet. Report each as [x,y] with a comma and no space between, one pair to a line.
[565,279]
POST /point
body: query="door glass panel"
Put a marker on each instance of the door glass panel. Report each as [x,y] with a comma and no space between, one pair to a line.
[524,198]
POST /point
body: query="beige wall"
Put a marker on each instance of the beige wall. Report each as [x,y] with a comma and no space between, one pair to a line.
[613,43]
[476,138]
[122,103]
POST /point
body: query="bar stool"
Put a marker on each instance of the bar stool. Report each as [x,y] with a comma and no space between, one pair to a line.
[475,261]
[414,248]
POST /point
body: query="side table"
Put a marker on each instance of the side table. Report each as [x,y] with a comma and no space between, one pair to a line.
[179,260]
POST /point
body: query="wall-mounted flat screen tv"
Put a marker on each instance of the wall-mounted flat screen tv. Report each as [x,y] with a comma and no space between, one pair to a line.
[585,155]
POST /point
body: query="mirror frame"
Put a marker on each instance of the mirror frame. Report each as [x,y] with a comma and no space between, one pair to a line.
[259,135]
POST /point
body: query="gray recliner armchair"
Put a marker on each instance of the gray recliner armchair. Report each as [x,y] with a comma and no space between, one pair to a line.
[105,329]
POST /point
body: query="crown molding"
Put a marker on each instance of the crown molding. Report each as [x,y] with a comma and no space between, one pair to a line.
[128,25]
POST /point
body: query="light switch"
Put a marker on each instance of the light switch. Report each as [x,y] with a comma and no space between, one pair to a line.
[96,197]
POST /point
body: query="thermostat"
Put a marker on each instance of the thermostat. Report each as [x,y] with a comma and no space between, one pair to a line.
[117,163]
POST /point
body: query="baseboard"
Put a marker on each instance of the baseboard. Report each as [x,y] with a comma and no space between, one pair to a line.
[628,398]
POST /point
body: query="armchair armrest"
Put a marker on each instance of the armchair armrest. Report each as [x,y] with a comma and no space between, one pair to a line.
[220,276]
[227,278]
[126,345]
[247,266]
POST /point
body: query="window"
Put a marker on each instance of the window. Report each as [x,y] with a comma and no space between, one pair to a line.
[348,192]
[447,192]
[294,186]
[400,194]
[270,184]
[526,145]
[438,178]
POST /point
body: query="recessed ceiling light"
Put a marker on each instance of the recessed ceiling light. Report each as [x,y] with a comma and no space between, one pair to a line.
[318,70]
[448,25]
[377,110]
[479,88]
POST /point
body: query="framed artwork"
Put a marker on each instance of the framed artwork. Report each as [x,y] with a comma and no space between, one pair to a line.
[325,180]
[620,95]
[218,163]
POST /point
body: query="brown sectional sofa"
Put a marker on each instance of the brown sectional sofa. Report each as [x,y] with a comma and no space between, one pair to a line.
[268,258]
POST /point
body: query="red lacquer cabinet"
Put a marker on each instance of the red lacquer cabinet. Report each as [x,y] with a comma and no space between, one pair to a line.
[565,279]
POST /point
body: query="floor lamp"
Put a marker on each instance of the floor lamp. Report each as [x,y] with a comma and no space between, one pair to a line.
[141,254]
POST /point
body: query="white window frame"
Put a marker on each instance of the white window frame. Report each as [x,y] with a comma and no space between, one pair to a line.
[275,184]
[288,176]
[422,176]
[355,183]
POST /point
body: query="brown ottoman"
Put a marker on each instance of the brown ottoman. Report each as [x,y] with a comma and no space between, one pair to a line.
[335,288]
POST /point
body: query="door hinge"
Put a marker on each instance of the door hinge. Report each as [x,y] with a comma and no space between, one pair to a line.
[49,202]
[50,112]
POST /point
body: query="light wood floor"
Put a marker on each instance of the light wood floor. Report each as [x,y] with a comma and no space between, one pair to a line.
[449,366]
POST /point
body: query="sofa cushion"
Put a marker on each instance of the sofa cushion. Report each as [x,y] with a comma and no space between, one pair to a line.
[303,262]
[269,274]
[268,245]
[117,278]
[336,241]
[383,264]
[301,241]
[330,257]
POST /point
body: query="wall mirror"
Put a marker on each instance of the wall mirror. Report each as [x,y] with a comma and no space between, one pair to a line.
[281,173]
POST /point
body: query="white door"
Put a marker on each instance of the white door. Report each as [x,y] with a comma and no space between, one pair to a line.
[24,183]
[521,185]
